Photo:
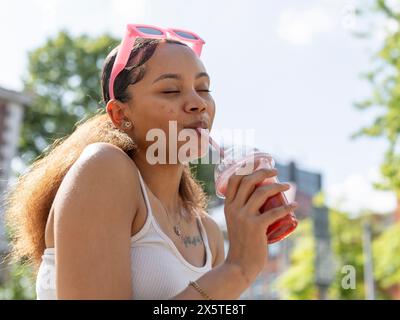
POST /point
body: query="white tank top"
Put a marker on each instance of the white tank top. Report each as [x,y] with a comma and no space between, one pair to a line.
[159,271]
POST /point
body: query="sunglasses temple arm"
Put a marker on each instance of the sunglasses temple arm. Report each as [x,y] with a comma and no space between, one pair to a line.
[197,48]
[121,59]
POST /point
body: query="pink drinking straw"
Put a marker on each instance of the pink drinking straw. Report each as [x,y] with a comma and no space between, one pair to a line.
[216,147]
[214,144]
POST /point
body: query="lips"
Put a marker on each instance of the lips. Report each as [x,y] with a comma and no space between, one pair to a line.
[197,125]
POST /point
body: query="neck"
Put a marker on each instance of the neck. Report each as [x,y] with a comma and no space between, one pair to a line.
[163,181]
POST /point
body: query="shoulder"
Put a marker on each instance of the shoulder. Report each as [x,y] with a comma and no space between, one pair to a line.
[102,173]
[216,239]
[105,151]
[93,212]
[107,159]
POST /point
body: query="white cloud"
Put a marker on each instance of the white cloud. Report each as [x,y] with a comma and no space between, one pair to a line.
[356,194]
[302,26]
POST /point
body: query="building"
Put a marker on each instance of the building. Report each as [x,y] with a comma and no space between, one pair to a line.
[12,105]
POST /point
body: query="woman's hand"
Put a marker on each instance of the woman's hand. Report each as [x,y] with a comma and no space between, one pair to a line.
[246,225]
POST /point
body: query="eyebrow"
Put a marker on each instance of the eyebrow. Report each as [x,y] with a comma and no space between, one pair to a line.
[179,77]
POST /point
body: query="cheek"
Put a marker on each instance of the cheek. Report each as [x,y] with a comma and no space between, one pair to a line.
[159,115]
[171,112]
[211,112]
[165,111]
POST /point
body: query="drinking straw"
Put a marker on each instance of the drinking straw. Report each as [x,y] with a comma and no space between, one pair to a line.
[214,144]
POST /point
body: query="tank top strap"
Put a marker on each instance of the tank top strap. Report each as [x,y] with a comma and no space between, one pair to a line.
[205,239]
[145,195]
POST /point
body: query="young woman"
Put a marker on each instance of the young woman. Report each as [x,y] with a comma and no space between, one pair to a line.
[102,222]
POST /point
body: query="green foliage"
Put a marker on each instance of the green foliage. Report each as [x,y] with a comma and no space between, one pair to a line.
[385,83]
[64,74]
[298,281]
[346,244]
[20,284]
[346,241]
[386,251]
[204,173]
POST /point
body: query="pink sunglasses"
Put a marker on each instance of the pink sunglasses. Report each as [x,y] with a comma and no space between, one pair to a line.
[151,32]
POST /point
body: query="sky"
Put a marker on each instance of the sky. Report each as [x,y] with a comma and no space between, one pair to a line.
[290,70]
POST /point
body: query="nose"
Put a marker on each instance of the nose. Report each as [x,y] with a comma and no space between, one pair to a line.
[195,104]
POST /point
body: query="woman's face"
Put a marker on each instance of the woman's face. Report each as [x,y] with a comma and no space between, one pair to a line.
[174,88]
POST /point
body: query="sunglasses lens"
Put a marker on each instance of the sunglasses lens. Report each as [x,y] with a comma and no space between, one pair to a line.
[150,30]
[186,35]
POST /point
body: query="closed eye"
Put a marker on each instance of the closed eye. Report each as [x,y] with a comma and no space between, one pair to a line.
[179,91]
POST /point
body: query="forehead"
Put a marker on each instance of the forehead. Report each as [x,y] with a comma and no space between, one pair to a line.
[173,58]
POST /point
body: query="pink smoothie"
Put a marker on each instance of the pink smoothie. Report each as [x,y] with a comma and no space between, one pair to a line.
[281,228]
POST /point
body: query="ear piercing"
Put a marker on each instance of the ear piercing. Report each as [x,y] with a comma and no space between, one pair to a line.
[127,124]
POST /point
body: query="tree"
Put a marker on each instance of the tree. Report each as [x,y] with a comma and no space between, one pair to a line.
[19,285]
[298,281]
[64,74]
[346,239]
[346,236]
[385,82]
[386,250]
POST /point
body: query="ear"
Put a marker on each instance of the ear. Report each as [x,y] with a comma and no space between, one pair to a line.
[116,112]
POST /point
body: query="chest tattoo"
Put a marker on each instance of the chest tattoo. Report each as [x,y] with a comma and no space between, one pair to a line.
[192,240]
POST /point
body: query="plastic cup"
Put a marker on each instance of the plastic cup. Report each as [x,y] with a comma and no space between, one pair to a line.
[244,161]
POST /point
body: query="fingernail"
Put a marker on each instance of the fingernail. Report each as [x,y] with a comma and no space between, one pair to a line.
[294,204]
